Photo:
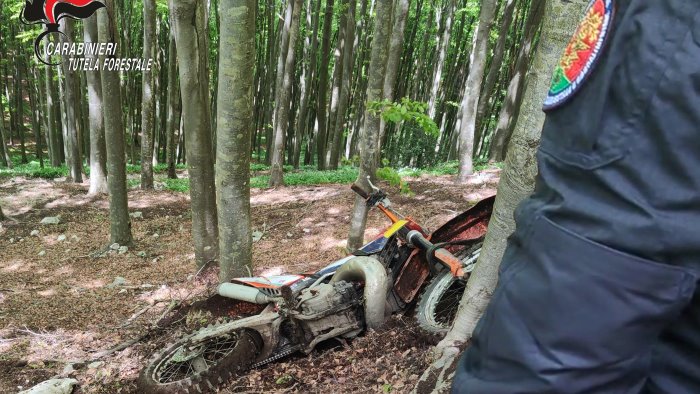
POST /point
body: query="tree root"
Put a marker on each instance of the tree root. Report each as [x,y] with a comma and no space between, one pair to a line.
[437,378]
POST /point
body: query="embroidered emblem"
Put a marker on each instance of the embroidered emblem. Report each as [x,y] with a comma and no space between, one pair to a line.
[581,54]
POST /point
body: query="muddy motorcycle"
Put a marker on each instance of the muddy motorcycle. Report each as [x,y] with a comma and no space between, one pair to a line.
[404,266]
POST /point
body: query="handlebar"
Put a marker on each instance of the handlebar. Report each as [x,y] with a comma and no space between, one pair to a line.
[359,190]
[432,251]
[415,238]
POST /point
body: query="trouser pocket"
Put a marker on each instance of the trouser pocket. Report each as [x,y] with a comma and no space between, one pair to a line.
[572,316]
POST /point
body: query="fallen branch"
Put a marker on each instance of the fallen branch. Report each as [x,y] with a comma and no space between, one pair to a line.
[36,334]
[118,348]
[136,315]
[76,257]
[172,306]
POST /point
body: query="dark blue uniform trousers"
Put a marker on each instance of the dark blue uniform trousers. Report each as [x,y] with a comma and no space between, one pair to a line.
[598,286]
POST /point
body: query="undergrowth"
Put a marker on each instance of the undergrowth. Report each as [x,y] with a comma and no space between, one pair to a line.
[305,175]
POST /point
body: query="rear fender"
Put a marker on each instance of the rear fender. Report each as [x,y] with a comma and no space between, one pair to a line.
[469,225]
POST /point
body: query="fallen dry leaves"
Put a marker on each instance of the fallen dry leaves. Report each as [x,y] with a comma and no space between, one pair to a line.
[60,307]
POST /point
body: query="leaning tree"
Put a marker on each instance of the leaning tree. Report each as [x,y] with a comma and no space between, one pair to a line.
[517,182]
[369,138]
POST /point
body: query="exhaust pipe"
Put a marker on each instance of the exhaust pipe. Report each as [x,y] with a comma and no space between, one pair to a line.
[243,293]
[370,271]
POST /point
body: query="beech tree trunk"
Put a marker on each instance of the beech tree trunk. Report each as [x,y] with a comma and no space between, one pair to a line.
[311,56]
[235,125]
[53,118]
[496,63]
[72,141]
[190,38]
[148,112]
[120,227]
[35,115]
[395,49]
[517,182]
[322,99]
[338,55]
[283,99]
[5,158]
[514,94]
[174,107]
[346,47]
[369,137]
[470,99]
[442,54]
[19,108]
[98,154]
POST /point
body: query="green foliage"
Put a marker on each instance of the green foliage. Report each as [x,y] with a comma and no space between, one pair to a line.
[447,168]
[354,161]
[177,185]
[33,170]
[394,178]
[284,379]
[343,175]
[406,110]
[260,167]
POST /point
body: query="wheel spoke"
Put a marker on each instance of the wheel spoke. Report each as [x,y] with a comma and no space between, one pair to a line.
[196,358]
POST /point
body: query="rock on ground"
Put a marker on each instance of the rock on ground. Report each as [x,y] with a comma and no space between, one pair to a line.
[52,386]
[50,220]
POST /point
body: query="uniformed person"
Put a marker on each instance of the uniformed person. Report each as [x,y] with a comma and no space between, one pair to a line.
[597,289]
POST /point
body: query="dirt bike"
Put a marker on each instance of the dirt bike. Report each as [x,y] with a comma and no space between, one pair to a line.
[402,267]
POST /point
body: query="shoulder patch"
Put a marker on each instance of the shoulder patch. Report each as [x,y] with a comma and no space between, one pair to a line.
[581,54]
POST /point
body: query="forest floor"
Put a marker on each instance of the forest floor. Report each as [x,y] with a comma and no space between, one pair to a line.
[97,319]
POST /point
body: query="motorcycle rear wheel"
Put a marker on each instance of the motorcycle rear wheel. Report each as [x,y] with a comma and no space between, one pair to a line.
[188,366]
[438,303]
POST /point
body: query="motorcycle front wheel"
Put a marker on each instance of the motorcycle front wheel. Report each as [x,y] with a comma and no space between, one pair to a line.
[438,303]
[199,366]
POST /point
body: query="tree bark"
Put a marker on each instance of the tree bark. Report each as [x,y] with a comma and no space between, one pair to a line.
[98,154]
[235,124]
[51,130]
[338,55]
[517,182]
[19,108]
[370,132]
[514,95]
[395,49]
[5,158]
[311,56]
[470,101]
[120,227]
[190,38]
[35,115]
[148,98]
[283,99]
[72,146]
[344,94]
[174,107]
[322,99]
[496,63]
[442,54]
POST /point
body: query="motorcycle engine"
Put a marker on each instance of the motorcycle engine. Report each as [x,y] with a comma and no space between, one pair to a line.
[330,310]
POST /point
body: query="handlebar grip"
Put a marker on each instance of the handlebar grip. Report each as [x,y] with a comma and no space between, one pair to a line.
[357,189]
